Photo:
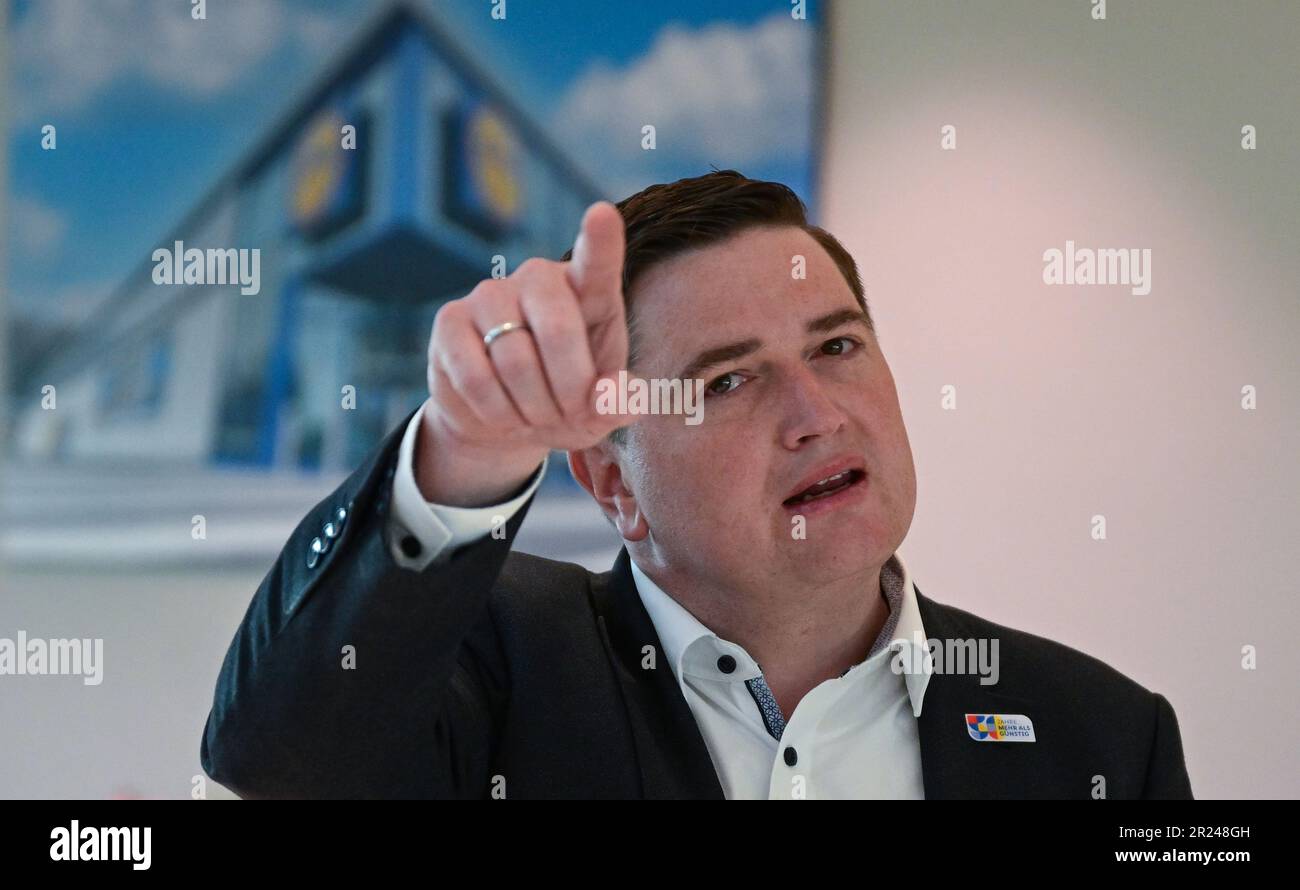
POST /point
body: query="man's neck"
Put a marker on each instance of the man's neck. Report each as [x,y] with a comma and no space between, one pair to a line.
[799,641]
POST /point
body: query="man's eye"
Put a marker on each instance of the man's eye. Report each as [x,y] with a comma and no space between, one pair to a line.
[724,379]
[836,346]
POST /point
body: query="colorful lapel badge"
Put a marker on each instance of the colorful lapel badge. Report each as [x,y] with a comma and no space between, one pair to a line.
[1000,727]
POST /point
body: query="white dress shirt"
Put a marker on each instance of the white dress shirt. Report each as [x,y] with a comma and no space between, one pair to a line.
[852,736]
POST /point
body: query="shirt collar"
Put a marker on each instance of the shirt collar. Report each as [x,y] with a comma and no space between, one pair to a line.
[679,630]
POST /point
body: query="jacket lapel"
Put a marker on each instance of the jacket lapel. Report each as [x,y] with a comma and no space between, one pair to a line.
[673,759]
[954,765]
[674,762]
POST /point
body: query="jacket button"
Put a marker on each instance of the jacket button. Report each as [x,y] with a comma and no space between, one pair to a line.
[726,664]
[411,546]
[340,516]
[330,530]
[791,757]
[315,550]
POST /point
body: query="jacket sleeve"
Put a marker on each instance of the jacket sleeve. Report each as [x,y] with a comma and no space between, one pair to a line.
[1166,769]
[351,676]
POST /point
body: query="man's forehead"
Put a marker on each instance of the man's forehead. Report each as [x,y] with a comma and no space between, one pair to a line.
[712,337]
[748,286]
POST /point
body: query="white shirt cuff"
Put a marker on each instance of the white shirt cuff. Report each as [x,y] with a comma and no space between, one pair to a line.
[438,527]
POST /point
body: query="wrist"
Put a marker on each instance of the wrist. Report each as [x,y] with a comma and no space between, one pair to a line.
[458,472]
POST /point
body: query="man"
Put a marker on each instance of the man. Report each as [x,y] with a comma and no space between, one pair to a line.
[758,636]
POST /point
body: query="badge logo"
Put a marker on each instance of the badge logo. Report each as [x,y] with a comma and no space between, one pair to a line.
[1000,727]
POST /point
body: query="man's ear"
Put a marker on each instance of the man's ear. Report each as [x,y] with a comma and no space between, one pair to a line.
[597,470]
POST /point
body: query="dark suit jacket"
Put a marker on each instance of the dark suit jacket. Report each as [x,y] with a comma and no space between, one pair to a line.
[498,664]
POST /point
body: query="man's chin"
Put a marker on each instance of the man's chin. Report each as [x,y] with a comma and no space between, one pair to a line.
[835,551]
[853,527]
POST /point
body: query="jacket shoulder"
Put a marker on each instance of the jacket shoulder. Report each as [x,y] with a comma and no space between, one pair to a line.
[528,576]
[1094,716]
[536,592]
[1035,666]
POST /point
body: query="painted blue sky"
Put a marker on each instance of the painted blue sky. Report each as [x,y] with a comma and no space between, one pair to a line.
[152,106]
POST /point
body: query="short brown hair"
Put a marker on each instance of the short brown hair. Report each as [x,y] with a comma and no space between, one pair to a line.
[664,220]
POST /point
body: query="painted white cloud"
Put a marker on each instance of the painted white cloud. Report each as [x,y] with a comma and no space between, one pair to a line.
[724,94]
[66,52]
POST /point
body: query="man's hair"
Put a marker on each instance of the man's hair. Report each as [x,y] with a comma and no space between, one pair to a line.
[667,219]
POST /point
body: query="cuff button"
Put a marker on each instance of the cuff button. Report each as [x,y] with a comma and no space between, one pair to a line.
[315,551]
[411,547]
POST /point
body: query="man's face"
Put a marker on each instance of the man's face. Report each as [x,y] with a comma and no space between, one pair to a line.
[805,394]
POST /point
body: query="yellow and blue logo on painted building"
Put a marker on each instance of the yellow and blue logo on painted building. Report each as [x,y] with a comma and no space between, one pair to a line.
[325,189]
[484,186]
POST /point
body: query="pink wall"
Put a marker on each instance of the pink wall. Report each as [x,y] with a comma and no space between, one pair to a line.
[1081,400]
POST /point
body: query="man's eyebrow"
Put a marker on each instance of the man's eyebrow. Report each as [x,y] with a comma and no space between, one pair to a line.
[741,348]
[832,320]
[717,355]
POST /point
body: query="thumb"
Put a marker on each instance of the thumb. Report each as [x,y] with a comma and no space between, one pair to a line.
[596,271]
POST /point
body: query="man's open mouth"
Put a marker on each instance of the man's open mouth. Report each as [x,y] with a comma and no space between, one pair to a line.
[826,487]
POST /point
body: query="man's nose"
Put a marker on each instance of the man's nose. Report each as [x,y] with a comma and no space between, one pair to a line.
[808,410]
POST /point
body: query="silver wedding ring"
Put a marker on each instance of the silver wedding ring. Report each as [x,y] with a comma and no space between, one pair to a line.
[502,329]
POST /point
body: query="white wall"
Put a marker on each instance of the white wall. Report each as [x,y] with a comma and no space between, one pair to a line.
[1076,401]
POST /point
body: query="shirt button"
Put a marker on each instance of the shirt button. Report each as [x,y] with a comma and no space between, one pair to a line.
[791,757]
[410,546]
[726,664]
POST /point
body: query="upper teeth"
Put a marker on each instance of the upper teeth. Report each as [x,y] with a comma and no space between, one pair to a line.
[809,496]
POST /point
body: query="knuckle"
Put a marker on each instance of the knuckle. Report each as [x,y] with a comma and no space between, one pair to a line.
[448,313]
[514,362]
[453,356]
[487,290]
[576,405]
[531,266]
[581,398]
[454,352]
[477,385]
[553,326]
